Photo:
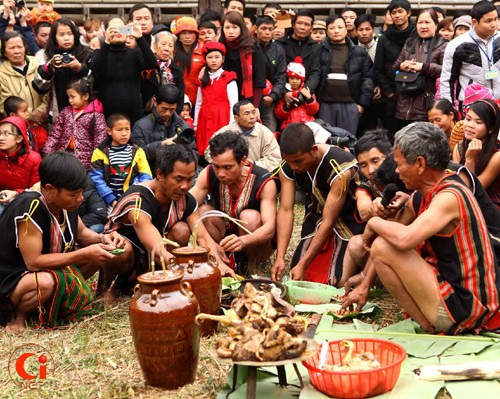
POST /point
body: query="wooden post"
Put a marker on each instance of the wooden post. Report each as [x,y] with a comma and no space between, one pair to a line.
[204,5]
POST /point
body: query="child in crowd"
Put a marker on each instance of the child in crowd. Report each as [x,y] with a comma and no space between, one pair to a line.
[80,127]
[117,164]
[307,106]
[207,32]
[186,112]
[43,11]
[319,31]
[37,134]
[93,28]
[19,164]
[479,151]
[444,116]
[216,96]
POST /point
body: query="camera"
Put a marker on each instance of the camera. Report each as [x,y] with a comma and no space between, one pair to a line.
[125,30]
[339,141]
[3,195]
[185,137]
[20,3]
[66,58]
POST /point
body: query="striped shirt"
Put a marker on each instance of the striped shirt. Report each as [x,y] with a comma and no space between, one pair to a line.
[120,162]
[464,261]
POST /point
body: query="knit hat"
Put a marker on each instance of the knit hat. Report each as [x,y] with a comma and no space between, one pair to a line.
[186,24]
[319,25]
[296,69]
[214,46]
[476,92]
[464,20]
[159,28]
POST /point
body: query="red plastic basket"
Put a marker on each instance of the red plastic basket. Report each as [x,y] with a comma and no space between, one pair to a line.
[358,384]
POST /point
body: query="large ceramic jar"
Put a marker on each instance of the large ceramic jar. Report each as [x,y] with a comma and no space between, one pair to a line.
[201,271]
[165,334]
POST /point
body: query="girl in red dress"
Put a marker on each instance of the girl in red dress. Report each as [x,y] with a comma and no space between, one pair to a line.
[217,93]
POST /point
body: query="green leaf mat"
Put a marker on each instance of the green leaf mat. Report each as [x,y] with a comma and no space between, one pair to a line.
[423,349]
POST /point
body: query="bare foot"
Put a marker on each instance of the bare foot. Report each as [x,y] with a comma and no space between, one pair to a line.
[16,327]
[110,295]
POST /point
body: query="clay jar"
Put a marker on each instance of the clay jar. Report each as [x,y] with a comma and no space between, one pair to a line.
[201,271]
[165,335]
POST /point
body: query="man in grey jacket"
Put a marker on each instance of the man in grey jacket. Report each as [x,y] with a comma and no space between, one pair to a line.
[473,57]
[163,126]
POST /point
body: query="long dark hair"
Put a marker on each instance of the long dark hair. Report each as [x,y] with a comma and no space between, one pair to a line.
[79,51]
[246,40]
[182,58]
[489,113]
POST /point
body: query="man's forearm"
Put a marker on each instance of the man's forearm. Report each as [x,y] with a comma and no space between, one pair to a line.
[284,232]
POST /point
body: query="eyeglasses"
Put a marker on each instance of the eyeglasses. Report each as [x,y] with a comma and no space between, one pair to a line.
[6,133]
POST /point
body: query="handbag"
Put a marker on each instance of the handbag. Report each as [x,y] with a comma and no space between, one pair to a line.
[412,83]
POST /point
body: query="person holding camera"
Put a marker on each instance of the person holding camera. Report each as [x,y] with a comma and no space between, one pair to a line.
[163,126]
[65,61]
[306,107]
[117,69]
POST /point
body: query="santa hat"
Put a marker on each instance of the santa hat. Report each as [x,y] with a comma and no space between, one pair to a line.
[296,69]
[476,92]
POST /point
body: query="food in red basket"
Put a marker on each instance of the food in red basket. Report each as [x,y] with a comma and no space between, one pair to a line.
[354,361]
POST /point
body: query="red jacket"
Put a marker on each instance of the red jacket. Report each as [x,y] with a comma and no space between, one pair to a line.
[303,113]
[19,172]
[191,80]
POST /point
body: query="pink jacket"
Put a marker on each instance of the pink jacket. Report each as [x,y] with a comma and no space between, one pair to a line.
[88,127]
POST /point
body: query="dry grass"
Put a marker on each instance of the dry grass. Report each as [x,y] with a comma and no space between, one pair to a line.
[96,358]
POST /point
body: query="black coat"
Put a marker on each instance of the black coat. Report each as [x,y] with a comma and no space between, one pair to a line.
[93,209]
[149,132]
[151,80]
[359,70]
[232,62]
[310,58]
[275,68]
[117,71]
[388,48]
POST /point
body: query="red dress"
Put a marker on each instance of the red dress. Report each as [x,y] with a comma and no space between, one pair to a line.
[214,111]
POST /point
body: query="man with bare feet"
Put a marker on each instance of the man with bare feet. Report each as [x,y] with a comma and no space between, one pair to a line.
[153,210]
[451,283]
[39,266]
[241,190]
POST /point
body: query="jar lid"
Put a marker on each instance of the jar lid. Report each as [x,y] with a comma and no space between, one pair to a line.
[160,276]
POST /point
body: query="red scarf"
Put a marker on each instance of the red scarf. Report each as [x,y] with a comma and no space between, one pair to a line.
[246,67]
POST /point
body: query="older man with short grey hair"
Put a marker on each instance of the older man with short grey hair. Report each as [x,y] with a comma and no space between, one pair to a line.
[436,259]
